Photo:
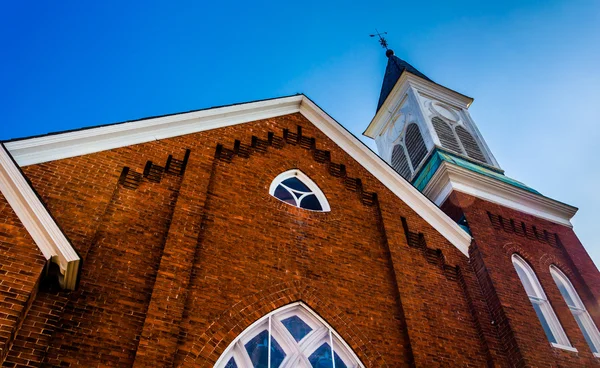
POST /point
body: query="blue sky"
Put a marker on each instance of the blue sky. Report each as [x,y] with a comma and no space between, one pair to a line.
[532,67]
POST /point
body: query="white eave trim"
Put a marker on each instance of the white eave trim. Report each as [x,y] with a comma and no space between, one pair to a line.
[41,226]
[449,178]
[407,80]
[58,146]
[63,145]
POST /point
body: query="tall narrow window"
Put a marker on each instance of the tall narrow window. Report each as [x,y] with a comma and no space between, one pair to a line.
[552,328]
[415,145]
[295,188]
[469,144]
[289,337]
[399,162]
[581,315]
[446,135]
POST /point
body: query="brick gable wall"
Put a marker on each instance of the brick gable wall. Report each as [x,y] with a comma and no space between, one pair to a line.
[498,233]
[181,255]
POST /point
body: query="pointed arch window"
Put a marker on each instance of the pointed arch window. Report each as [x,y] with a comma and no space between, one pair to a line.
[415,145]
[289,337]
[446,135]
[399,162]
[580,313]
[469,144]
[552,327]
[297,189]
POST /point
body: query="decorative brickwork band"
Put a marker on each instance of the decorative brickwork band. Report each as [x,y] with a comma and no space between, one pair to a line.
[525,230]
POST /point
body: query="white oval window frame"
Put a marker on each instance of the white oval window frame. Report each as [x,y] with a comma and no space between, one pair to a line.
[295,173]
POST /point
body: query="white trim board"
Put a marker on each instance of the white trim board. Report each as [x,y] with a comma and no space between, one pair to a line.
[450,177]
[70,144]
[41,226]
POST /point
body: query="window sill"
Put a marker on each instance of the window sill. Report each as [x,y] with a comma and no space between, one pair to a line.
[564,347]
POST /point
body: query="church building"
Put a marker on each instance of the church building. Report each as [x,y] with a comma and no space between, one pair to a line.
[264,234]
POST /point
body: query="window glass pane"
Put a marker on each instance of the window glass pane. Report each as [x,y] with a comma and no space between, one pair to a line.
[580,317]
[231,363]
[563,291]
[543,321]
[283,194]
[321,358]
[296,184]
[297,327]
[258,347]
[310,202]
[525,281]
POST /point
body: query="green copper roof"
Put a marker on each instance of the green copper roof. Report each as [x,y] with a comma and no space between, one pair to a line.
[438,156]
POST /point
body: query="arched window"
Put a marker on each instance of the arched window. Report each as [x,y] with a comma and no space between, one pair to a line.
[415,145]
[295,188]
[446,135]
[581,315]
[469,144]
[289,337]
[552,328]
[399,162]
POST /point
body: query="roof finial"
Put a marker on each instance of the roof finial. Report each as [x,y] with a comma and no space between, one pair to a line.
[383,42]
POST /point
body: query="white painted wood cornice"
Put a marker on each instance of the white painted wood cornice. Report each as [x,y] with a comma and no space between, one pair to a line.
[449,178]
[70,144]
[35,217]
[408,80]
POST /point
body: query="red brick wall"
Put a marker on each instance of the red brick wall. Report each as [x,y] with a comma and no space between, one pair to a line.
[21,266]
[174,270]
[499,232]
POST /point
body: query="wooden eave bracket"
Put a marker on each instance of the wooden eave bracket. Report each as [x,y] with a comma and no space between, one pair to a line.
[46,234]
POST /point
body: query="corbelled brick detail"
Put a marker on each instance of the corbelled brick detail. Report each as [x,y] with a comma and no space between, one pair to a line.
[500,232]
[183,248]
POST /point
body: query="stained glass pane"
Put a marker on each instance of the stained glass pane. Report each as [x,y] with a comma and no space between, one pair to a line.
[231,363]
[310,202]
[283,194]
[258,350]
[544,322]
[321,358]
[297,327]
[296,184]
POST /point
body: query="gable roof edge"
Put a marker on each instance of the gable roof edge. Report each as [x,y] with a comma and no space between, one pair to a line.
[75,143]
[37,220]
[384,173]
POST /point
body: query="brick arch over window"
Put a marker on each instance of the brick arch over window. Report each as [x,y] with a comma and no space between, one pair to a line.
[469,144]
[415,145]
[208,346]
[446,135]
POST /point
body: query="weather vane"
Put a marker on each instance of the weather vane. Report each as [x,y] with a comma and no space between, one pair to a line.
[382,40]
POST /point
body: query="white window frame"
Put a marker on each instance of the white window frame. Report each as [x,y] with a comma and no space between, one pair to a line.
[295,173]
[539,298]
[578,309]
[297,353]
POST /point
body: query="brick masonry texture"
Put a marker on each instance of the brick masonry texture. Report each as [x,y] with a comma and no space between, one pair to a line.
[180,258]
[500,232]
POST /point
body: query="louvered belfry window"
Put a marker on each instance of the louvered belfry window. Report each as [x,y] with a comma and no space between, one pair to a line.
[399,162]
[415,145]
[469,144]
[446,135]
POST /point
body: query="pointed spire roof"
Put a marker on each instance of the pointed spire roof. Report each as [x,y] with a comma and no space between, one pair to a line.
[393,71]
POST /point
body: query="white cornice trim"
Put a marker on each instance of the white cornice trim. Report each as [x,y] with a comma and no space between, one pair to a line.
[54,147]
[41,226]
[63,145]
[390,178]
[405,81]
[450,177]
